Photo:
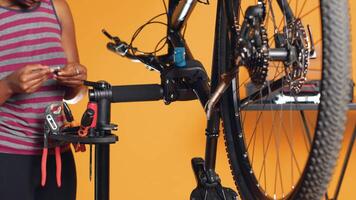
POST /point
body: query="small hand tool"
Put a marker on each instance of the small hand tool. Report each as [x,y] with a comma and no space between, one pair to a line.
[51,127]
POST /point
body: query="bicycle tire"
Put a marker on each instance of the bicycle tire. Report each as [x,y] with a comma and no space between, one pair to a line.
[335,89]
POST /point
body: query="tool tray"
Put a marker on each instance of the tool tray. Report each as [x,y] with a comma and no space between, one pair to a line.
[70,135]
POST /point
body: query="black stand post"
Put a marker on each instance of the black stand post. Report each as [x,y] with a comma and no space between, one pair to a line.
[102,153]
[102,95]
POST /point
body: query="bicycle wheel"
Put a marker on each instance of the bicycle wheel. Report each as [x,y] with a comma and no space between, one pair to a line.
[281,142]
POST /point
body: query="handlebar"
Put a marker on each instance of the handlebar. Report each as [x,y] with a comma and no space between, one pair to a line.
[132,93]
[191,74]
[122,49]
[149,92]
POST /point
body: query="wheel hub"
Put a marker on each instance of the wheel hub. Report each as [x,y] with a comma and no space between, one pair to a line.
[296,67]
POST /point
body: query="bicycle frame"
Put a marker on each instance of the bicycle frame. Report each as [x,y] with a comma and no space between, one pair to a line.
[103,94]
[178,15]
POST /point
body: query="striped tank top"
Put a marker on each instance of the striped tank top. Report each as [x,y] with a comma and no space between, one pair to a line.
[28,37]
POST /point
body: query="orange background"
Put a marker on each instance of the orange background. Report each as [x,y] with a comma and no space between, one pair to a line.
[152,158]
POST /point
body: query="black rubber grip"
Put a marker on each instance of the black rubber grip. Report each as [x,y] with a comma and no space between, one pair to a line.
[111,47]
[133,93]
[67,112]
[87,118]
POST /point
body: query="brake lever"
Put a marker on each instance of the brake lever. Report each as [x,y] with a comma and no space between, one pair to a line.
[125,50]
[113,38]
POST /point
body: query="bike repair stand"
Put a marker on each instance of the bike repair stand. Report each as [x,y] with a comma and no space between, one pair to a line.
[100,136]
[103,94]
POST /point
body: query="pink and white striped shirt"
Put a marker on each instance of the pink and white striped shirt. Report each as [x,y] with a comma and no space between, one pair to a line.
[28,37]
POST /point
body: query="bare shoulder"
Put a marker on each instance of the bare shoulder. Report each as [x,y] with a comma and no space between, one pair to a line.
[62,9]
[60,4]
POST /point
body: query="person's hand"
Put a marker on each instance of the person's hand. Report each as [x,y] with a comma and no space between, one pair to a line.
[29,3]
[73,75]
[28,79]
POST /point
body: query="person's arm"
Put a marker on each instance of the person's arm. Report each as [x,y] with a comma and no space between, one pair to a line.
[23,81]
[5,91]
[74,73]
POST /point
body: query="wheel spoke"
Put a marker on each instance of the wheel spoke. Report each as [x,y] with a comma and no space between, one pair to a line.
[291,127]
[307,144]
[309,12]
[254,130]
[263,149]
[268,144]
[296,6]
[280,177]
[277,144]
[242,12]
[275,180]
[305,126]
[272,15]
[302,8]
[292,151]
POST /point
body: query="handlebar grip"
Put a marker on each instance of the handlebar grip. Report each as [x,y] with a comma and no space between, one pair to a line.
[67,113]
[87,118]
[132,93]
[111,46]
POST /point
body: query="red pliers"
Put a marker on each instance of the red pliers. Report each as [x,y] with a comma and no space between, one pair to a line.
[51,127]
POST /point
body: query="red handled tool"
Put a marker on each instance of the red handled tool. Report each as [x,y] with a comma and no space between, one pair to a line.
[94,107]
[87,120]
[70,119]
[85,124]
[44,160]
[52,112]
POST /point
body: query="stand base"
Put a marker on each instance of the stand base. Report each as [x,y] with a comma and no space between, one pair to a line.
[208,184]
[215,193]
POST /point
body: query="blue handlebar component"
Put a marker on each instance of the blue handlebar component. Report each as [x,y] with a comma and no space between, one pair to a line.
[179,57]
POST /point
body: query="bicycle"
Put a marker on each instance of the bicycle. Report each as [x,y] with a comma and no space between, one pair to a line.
[258,60]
